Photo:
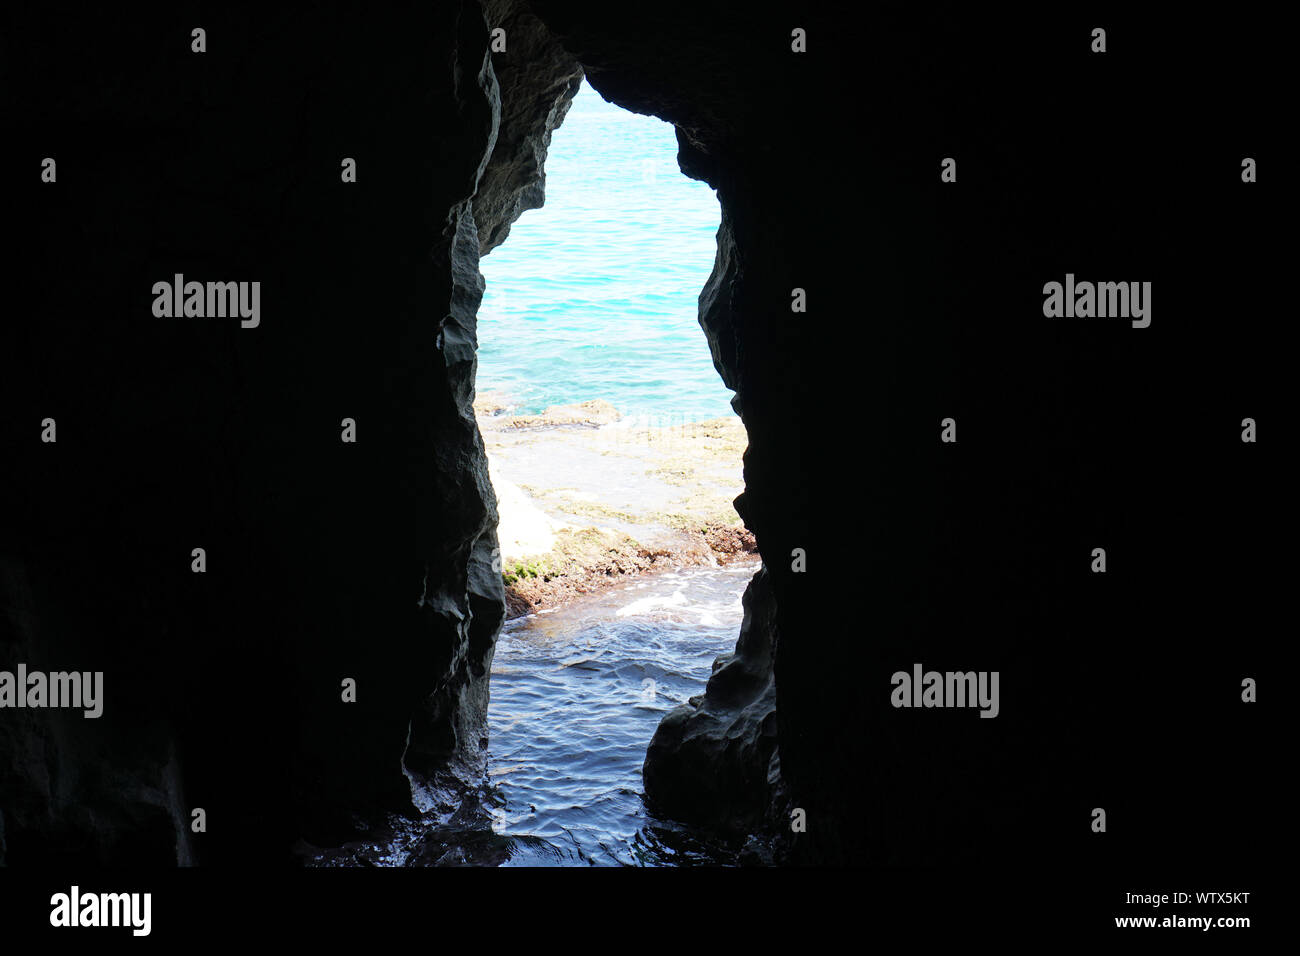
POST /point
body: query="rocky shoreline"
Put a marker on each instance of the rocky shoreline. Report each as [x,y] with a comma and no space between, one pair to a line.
[587,498]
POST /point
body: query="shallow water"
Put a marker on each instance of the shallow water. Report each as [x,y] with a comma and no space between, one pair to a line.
[576,696]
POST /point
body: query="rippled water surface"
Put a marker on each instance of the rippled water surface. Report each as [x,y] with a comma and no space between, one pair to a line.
[576,696]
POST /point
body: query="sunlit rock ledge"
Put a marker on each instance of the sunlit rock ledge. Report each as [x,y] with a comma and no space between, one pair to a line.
[587,497]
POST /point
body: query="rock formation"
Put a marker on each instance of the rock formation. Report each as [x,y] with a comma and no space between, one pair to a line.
[326,560]
[708,762]
[373,560]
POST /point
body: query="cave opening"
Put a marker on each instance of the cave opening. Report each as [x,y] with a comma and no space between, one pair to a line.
[615,456]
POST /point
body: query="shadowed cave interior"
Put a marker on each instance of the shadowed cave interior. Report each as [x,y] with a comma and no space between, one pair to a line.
[374,560]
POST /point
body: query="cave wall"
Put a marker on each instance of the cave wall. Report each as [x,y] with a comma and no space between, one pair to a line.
[325,560]
[924,301]
[374,560]
[537,80]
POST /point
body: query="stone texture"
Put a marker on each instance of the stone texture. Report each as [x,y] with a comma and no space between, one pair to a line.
[538,80]
[325,560]
[326,563]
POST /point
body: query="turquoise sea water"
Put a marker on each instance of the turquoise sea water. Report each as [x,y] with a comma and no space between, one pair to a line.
[595,295]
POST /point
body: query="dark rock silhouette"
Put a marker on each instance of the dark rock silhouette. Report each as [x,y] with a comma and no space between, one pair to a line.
[374,560]
[710,758]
